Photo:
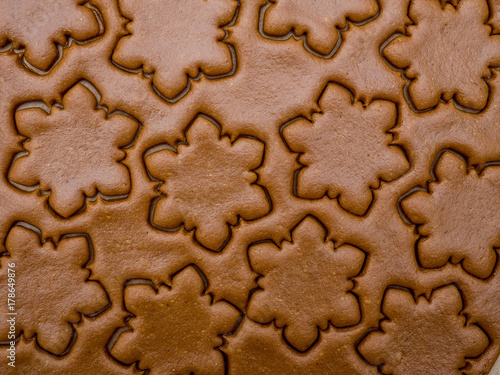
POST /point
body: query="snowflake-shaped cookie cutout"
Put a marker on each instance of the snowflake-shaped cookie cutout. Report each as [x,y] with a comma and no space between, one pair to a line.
[305,284]
[421,336]
[450,230]
[187,49]
[446,53]
[74,150]
[317,23]
[51,287]
[209,183]
[345,150]
[39,30]
[175,329]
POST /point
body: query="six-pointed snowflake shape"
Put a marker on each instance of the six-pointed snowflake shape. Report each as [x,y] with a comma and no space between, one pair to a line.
[446,53]
[74,150]
[423,336]
[37,28]
[209,183]
[167,322]
[458,217]
[291,276]
[166,43]
[52,289]
[345,150]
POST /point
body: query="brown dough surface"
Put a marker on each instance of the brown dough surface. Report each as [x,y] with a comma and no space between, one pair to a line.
[249,187]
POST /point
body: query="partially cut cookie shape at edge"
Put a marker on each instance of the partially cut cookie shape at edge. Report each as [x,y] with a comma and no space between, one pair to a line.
[446,53]
[187,48]
[37,28]
[52,287]
[167,321]
[421,336]
[74,150]
[345,150]
[458,217]
[291,273]
[317,24]
[88,355]
[209,183]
